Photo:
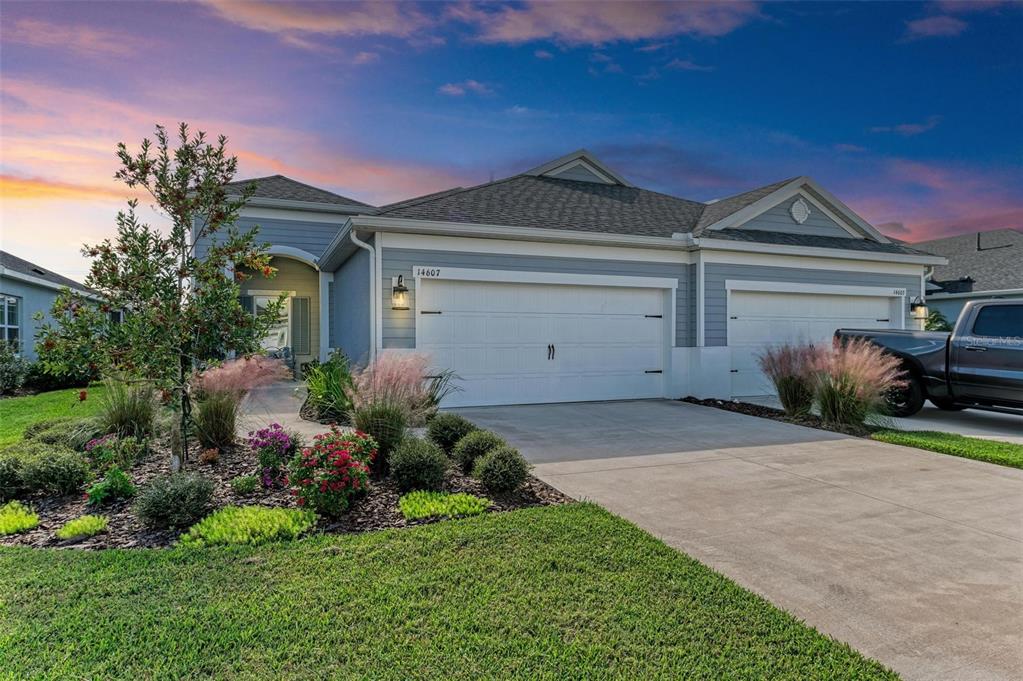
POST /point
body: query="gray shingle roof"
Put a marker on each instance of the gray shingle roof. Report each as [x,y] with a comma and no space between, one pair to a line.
[12,262]
[997,266]
[722,208]
[812,241]
[285,188]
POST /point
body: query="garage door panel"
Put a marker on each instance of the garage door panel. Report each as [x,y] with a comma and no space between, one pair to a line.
[759,320]
[496,340]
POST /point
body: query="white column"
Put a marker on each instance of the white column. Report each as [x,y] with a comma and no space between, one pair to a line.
[325,302]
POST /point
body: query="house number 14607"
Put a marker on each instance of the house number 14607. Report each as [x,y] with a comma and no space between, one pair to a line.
[427,271]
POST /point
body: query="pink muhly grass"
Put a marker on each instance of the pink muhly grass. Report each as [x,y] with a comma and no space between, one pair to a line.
[396,379]
[238,376]
[854,379]
[792,369]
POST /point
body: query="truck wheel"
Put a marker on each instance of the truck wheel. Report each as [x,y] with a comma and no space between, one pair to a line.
[946,404]
[908,400]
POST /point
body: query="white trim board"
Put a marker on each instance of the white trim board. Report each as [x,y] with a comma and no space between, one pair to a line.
[804,263]
[258,213]
[977,294]
[294,253]
[709,243]
[420,272]
[824,289]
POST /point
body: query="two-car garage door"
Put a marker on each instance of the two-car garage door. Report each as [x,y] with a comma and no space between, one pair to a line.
[760,319]
[521,343]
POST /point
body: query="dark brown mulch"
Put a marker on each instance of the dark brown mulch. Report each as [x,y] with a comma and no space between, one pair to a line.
[809,420]
[376,510]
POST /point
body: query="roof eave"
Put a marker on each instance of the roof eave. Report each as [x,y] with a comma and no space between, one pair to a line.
[313,206]
[710,243]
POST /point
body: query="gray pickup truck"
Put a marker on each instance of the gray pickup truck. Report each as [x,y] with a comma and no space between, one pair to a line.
[979,365]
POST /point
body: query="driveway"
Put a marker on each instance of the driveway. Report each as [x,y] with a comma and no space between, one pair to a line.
[913,558]
[986,424]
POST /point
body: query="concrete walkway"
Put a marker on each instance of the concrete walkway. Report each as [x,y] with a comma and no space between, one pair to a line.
[277,403]
[913,558]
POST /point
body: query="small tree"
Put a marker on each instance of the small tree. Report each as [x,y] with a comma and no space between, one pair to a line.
[936,322]
[181,309]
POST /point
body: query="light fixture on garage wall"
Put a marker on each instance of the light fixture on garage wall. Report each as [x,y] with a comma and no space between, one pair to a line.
[917,308]
[399,293]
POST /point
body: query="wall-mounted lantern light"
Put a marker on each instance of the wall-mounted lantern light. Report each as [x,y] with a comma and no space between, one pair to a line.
[917,308]
[399,293]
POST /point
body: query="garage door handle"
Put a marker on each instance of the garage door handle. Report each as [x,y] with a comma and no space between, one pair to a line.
[653,371]
[976,348]
[554,351]
[882,320]
[550,351]
[429,312]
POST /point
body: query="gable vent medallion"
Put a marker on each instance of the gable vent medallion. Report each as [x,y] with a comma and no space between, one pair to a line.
[799,211]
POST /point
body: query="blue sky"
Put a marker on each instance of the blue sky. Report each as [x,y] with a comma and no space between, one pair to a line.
[909,112]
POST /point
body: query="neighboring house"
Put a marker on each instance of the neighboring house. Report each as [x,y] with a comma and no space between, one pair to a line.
[981,266]
[567,283]
[25,289]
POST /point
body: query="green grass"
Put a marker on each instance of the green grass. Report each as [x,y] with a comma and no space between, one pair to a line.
[17,413]
[992,451]
[567,592]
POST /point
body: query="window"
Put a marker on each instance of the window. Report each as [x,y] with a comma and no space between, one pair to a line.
[10,320]
[1000,321]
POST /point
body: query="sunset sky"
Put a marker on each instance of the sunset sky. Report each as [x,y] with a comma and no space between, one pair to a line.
[909,112]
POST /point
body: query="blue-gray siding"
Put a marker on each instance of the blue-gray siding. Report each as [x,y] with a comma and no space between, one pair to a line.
[715,274]
[349,307]
[399,327]
[778,219]
[312,237]
[31,299]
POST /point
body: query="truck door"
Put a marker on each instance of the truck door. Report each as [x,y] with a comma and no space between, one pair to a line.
[988,355]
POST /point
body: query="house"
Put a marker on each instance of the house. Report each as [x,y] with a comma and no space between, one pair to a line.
[566,282]
[981,266]
[25,289]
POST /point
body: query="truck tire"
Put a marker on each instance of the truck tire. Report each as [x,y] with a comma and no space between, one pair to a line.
[908,400]
[946,404]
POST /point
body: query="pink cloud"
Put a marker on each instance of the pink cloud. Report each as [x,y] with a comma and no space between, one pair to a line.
[333,18]
[543,54]
[466,86]
[366,58]
[909,129]
[578,23]
[79,39]
[930,27]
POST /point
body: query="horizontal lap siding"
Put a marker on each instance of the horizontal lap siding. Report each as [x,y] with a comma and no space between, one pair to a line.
[399,325]
[715,274]
[350,307]
[779,219]
[312,237]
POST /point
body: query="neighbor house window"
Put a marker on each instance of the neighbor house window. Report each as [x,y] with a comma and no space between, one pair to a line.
[10,320]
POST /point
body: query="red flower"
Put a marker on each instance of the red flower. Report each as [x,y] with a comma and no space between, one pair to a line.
[82,394]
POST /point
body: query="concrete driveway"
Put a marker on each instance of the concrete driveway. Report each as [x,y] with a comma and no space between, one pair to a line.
[913,558]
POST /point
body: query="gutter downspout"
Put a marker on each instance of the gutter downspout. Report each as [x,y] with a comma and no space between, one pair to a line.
[374,299]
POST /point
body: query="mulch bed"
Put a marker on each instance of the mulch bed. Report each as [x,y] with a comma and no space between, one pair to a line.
[376,510]
[809,420]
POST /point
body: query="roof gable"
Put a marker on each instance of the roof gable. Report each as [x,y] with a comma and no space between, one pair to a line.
[579,166]
[283,188]
[12,263]
[993,260]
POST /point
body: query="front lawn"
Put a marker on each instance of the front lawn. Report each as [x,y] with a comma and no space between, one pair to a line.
[992,451]
[557,592]
[17,413]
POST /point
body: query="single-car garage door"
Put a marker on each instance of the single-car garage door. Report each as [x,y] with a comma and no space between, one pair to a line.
[520,343]
[760,319]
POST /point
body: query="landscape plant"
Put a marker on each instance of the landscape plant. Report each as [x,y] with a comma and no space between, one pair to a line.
[16,517]
[501,470]
[220,389]
[426,504]
[81,527]
[114,451]
[936,321]
[128,408]
[853,381]
[329,388]
[418,464]
[14,368]
[182,311]
[274,447]
[793,369]
[387,424]
[30,467]
[73,433]
[114,485]
[473,446]
[244,485]
[174,501]
[447,428]
[249,525]
[327,476]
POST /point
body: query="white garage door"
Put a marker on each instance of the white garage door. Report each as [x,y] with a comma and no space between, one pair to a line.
[513,343]
[758,320]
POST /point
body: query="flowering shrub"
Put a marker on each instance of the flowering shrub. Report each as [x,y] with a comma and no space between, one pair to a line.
[792,369]
[328,475]
[854,380]
[273,446]
[114,451]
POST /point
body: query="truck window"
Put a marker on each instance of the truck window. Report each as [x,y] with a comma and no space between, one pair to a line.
[1000,321]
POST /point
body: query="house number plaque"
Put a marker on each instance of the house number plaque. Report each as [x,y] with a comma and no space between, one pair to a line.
[427,272]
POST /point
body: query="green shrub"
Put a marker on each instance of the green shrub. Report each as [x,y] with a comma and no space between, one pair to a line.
[249,525]
[501,470]
[174,501]
[474,445]
[384,422]
[244,484]
[423,504]
[67,432]
[128,409]
[32,467]
[216,418]
[115,485]
[418,464]
[114,451]
[85,526]
[327,476]
[15,518]
[447,429]
[13,368]
[329,386]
